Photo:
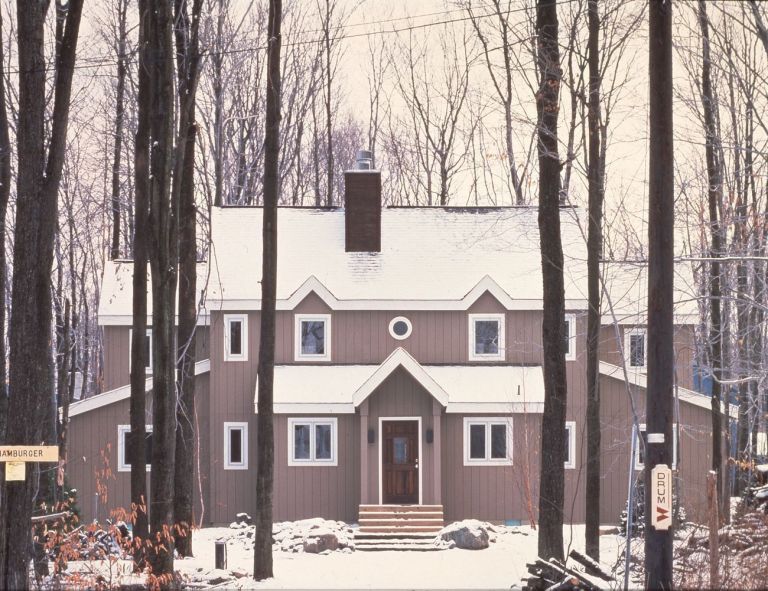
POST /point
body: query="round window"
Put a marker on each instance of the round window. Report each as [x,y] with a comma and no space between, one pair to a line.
[400,328]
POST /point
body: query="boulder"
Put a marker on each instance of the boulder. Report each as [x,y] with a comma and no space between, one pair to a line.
[244,518]
[469,534]
[321,542]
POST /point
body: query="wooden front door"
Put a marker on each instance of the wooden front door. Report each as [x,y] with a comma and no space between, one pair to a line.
[400,462]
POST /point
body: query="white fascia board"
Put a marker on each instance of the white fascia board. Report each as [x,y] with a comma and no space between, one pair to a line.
[495,407]
[313,284]
[320,408]
[640,379]
[400,357]
[122,393]
[203,319]
[642,319]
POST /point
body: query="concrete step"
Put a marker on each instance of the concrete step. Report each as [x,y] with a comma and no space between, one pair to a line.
[400,522]
[397,547]
[401,529]
[401,515]
[366,536]
[401,508]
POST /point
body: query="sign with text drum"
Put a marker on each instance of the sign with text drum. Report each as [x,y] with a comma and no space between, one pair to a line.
[661,497]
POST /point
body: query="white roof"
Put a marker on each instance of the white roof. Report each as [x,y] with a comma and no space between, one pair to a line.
[340,389]
[627,287]
[430,258]
[122,393]
[640,379]
[115,301]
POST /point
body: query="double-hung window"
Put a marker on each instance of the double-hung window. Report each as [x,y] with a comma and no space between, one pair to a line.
[635,348]
[235,446]
[147,348]
[312,442]
[570,444]
[313,337]
[642,441]
[487,441]
[124,447]
[569,336]
[235,337]
[486,337]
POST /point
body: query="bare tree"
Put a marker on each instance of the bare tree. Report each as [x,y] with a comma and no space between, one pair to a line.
[594,253]
[188,60]
[552,479]
[40,165]
[120,50]
[140,356]
[262,553]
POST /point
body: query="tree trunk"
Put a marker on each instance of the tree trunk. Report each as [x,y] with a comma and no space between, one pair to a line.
[551,495]
[661,359]
[594,252]
[5,191]
[163,263]
[39,174]
[187,60]
[328,105]
[139,360]
[262,555]
[122,7]
[715,199]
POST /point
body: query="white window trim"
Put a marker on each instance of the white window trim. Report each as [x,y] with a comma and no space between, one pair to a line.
[571,427]
[636,459]
[627,349]
[122,464]
[228,318]
[234,426]
[332,421]
[151,349]
[570,355]
[487,421]
[392,327]
[298,319]
[500,356]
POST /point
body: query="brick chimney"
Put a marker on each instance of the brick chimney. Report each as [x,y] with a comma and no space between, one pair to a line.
[362,203]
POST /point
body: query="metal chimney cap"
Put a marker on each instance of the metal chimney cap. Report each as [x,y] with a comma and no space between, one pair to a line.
[364,160]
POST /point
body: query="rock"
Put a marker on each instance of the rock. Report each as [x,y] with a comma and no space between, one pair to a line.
[244,518]
[469,534]
[325,553]
[347,550]
[239,573]
[319,543]
[217,576]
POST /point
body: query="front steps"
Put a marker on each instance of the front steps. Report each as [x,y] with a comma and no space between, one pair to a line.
[399,527]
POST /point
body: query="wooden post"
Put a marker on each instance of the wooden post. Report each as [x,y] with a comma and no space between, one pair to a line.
[661,357]
[714,534]
[364,466]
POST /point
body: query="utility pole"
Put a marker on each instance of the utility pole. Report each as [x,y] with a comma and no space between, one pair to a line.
[659,407]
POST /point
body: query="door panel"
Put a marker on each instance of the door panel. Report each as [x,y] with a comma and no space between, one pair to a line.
[400,462]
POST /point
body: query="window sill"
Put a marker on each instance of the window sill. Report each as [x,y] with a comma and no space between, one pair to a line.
[487,462]
[313,463]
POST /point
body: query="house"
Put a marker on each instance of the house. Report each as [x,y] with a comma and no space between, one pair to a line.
[408,367]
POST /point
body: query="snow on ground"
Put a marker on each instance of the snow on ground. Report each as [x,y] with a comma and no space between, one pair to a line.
[498,567]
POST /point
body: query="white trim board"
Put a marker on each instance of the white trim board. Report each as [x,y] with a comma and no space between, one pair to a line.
[421,472]
[313,284]
[640,379]
[203,319]
[122,393]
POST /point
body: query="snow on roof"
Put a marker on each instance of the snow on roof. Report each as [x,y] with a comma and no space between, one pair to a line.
[332,389]
[640,379]
[436,254]
[122,393]
[116,296]
[627,287]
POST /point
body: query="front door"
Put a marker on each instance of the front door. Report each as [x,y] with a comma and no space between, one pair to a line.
[400,462]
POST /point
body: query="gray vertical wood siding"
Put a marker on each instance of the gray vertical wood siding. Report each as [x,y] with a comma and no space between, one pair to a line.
[695,446]
[92,456]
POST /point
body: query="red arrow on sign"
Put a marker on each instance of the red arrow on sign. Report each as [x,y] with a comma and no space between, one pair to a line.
[661,514]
